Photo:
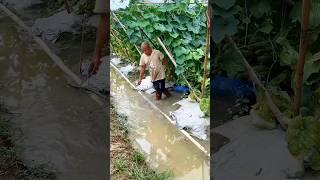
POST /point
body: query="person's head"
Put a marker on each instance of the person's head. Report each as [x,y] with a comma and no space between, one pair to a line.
[146,48]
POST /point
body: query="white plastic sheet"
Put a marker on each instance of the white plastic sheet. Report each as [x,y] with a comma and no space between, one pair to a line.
[127,69]
[116,61]
[145,85]
[190,117]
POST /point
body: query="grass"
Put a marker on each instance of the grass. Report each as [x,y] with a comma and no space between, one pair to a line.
[126,162]
[11,166]
[120,164]
[137,157]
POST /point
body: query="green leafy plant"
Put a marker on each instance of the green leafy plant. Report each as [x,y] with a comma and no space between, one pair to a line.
[137,157]
[304,140]
[205,106]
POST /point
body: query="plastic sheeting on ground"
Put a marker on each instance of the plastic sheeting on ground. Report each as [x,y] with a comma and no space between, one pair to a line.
[116,61]
[127,69]
[51,27]
[190,117]
[145,85]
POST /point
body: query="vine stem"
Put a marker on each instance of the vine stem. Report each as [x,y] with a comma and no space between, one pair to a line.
[302,56]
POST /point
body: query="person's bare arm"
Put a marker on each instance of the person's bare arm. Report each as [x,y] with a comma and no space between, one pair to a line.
[101,39]
[164,61]
[142,70]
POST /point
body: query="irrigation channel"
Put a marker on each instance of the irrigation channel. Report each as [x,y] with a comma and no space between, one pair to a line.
[62,127]
[57,125]
[165,147]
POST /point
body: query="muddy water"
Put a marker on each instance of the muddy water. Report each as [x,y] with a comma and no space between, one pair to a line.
[164,146]
[58,125]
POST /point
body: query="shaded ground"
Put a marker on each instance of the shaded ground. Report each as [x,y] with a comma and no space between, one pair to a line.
[253,153]
[242,151]
[11,165]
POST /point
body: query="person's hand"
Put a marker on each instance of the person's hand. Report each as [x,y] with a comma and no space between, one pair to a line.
[95,65]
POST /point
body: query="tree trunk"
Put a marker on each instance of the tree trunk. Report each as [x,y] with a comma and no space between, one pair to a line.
[302,55]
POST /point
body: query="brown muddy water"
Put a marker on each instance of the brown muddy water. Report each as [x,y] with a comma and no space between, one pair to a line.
[58,125]
[165,147]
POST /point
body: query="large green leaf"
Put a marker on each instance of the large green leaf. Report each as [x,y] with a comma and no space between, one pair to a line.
[179,70]
[180,51]
[288,56]
[224,26]
[230,62]
[225,13]
[266,28]
[144,24]
[260,8]
[160,27]
[225,4]
[310,68]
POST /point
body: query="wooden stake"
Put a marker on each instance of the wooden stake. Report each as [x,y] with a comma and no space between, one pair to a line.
[206,56]
[302,56]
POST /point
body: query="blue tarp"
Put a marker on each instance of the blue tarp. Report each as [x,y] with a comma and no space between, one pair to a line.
[223,86]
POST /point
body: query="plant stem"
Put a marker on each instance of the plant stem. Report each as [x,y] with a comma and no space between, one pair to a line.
[302,55]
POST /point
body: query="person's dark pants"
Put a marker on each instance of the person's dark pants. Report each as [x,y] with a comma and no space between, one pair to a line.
[159,85]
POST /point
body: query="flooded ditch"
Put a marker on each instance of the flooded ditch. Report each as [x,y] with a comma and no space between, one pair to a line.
[58,125]
[165,147]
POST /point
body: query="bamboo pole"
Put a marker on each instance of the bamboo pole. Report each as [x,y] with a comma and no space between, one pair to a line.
[302,55]
[124,28]
[207,50]
[120,43]
[282,119]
